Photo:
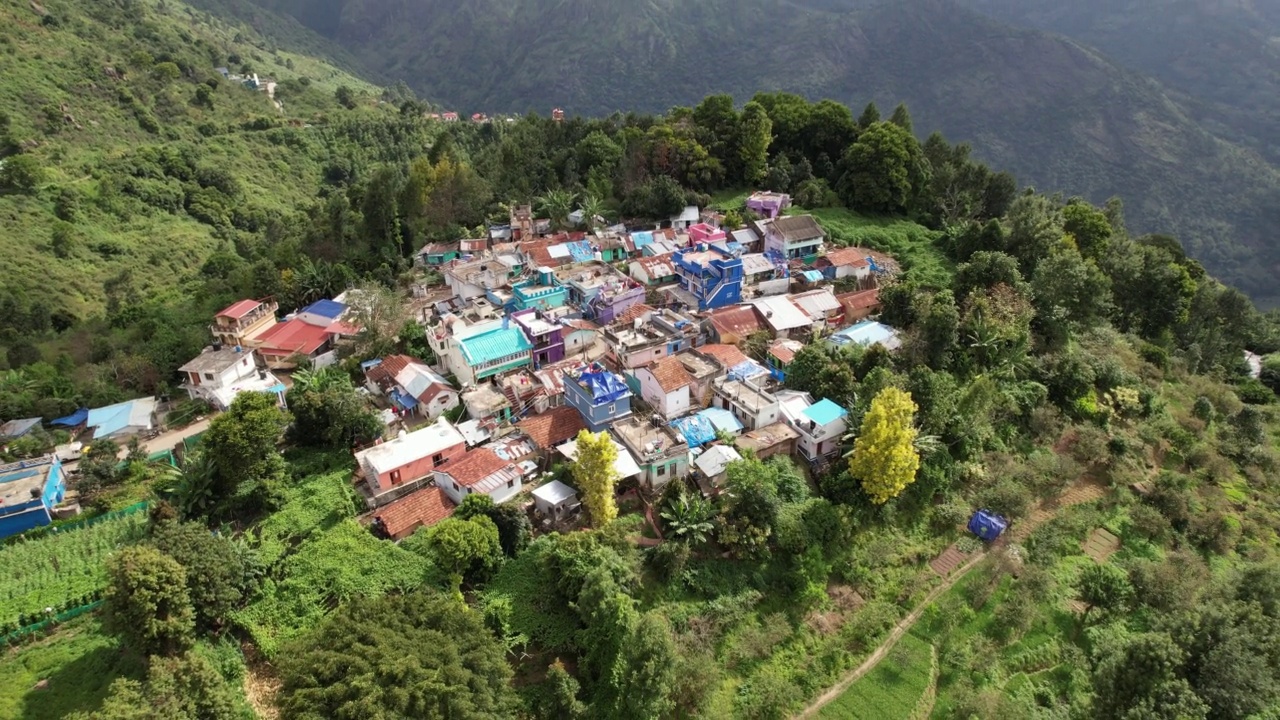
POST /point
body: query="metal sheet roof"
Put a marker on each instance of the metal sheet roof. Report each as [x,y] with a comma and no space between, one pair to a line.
[555,492]
[624,464]
[716,459]
[824,412]
[780,313]
[494,345]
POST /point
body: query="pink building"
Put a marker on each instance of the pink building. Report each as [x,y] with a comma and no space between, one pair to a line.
[411,457]
[704,233]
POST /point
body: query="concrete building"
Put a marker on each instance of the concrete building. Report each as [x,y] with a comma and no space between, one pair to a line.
[411,385]
[409,459]
[712,274]
[794,237]
[241,322]
[544,334]
[600,396]
[599,291]
[666,386]
[658,450]
[29,490]
[749,399]
[768,204]
[480,471]
[820,426]
[219,374]
[651,336]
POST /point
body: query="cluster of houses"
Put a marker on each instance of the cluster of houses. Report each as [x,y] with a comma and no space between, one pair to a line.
[633,332]
[451,116]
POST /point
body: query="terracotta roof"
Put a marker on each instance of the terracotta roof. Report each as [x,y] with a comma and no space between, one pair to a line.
[860,300]
[740,320]
[629,315]
[292,336]
[391,365]
[422,508]
[579,324]
[670,374]
[851,256]
[474,466]
[728,356]
[785,350]
[657,266]
[553,427]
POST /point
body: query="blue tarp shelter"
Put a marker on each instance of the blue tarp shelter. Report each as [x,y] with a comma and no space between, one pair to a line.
[604,386]
[696,429]
[722,419]
[408,402]
[74,419]
[987,525]
[746,369]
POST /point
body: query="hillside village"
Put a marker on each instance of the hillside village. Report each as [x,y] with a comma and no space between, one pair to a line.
[674,339]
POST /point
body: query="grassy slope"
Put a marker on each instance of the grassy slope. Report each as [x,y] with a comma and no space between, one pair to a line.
[53,66]
[889,691]
[80,662]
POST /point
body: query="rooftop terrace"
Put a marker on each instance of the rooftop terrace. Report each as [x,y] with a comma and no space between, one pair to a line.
[22,482]
[648,441]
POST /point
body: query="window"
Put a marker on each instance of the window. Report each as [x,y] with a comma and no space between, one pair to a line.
[456,486]
[208,376]
[395,477]
[511,483]
[662,470]
[612,409]
[437,459]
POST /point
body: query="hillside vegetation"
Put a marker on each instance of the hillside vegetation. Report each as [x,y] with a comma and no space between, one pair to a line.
[1058,114]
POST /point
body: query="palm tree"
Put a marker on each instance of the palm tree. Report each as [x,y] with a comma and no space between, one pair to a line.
[325,378]
[193,489]
[557,204]
[592,211]
[688,519]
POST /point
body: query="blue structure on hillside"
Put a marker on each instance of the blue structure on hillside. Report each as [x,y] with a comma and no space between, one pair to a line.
[29,490]
[600,397]
[711,273]
[987,525]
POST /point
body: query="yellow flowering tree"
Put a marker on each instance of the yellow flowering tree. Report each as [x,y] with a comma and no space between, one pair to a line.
[884,456]
[595,475]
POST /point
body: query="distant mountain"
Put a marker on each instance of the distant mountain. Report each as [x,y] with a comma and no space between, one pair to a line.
[1060,115]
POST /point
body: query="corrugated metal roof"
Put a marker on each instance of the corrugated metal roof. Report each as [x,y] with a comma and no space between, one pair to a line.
[325,308]
[494,345]
[824,412]
[780,313]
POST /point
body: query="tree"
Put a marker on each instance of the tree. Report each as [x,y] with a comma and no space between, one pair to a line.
[1103,586]
[687,518]
[513,524]
[147,603]
[559,699]
[465,548]
[187,687]
[62,240]
[824,370]
[755,133]
[884,457]
[882,170]
[415,655]
[594,474]
[557,205]
[1138,677]
[870,116]
[442,195]
[901,117]
[985,270]
[1033,228]
[193,493]
[216,574]
[1069,291]
[1088,226]
[328,412]
[241,444]
[645,671]
[750,507]
[21,174]
[345,96]
[593,210]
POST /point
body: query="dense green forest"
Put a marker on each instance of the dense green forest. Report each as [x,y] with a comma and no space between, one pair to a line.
[1058,369]
[1058,114]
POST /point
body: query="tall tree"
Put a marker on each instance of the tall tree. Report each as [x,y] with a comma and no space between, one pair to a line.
[595,475]
[147,603]
[882,170]
[870,116]
[1034,227]
[750,510]
[902,117]
[557,205]
[241,444]
[420,656]
[465,548]
[215,570]
[884,456]
[187,687]
[755,133]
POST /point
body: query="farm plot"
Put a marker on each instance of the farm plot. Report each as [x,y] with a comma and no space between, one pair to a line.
[891,690]
[60,570]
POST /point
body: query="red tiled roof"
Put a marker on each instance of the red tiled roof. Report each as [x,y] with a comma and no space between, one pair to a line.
[784,350]
[860,300]
[339,327]
[292,336]
[390,366]
[553,427]
[422,508]
[475,466]
[629,315]
[740,320]
[657,266]
[728,356]
[670,374]
[240,309]
[579,324]
[851,256]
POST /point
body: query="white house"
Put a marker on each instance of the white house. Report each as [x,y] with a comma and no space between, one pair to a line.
[713,465]
[748,398]
[666,385]
[796,236]
[412,386]
[821,425]
[480,471]
[217,376]
[689,216]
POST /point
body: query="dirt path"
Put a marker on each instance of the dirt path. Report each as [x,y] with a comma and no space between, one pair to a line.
[1081,492]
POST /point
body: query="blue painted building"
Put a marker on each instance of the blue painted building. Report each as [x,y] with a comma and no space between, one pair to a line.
[490,349]
[711,273]
[29,490]
[542,293]
[599,396]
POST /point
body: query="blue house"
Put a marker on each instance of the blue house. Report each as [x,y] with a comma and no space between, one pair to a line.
[711,273]
[29,490]
[601,397]
[542,293]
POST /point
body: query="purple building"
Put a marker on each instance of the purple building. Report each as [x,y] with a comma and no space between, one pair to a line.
[546,336]
[599,291]
[768,204]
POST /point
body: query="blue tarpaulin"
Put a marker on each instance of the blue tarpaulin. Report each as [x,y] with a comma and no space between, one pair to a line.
[746,369]
[405,401]
[696,429]
[76,418]
[581,251]
[604,386]
[987,525]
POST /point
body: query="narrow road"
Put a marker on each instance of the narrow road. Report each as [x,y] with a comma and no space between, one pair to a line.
[171,439]
[903,626]
[1084,490]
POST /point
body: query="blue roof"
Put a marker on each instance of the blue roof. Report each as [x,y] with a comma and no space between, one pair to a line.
[110,419]
[604,386]
[581,251]
[745,369]
[494,345]
[722,419]
[813,275]
[696,429]
[325,308]
[868,332]
[824,412]
[76,418]
[405,401]
[641,238]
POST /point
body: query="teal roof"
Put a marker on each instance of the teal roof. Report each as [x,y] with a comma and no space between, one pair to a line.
[824,412]
[494,345]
